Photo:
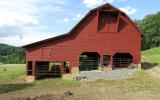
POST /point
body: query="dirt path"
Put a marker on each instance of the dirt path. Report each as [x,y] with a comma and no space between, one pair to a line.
[83,92]
[154,72]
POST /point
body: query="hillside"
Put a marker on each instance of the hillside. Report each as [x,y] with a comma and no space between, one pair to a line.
[151,55]
[11,54]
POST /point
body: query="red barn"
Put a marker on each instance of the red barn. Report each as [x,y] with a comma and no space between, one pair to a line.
[106,38]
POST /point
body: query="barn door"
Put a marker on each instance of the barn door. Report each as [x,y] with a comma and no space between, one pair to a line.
[122,60]
[48,69]
[89,61]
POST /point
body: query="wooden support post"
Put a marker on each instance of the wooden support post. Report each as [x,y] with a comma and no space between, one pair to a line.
[26,68]
[117,22]
[33,68]
[101,63]
[111,61]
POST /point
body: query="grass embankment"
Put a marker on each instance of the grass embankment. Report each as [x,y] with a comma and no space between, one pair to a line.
[151,55]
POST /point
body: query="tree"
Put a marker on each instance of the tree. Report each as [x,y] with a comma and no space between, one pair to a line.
[11,54]
[150,26]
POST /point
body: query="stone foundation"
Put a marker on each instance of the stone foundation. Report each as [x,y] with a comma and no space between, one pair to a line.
[30,79]
[74,73]
[69,76]
[100,68]
[74,70]
[137,66]
[107,68]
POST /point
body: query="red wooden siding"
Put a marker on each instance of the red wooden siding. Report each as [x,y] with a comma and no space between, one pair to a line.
[107,22]
[46,53]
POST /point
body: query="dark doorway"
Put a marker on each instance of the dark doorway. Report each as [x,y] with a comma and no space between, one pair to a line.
[66,67]
[29,68]
[89,61]
[106,60]
[48,69]
[122,60]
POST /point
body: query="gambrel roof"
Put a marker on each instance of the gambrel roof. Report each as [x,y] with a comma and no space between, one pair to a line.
[106,6]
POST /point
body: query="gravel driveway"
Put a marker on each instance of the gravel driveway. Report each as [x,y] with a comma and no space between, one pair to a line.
[112,75]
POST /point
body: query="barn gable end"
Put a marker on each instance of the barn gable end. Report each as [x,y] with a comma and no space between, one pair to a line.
[120,20]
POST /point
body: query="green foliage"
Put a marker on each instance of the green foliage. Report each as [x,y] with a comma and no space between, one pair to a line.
[150,26]
[11,55]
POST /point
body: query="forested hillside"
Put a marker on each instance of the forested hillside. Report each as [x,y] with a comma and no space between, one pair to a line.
[150,26]
[11,54]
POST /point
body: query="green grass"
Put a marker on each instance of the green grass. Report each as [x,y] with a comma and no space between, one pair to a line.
[153,51]
[11,71]
[151,55]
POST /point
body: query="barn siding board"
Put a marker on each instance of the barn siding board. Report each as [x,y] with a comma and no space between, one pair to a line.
[85,37]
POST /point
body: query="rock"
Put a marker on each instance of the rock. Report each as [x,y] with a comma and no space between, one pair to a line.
[81,78]
[68,93]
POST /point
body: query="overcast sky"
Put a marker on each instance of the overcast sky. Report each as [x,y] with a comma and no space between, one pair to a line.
[27,21]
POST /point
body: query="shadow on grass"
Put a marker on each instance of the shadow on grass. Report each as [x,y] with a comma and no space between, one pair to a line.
[5,88]
[147,65]
[47,77]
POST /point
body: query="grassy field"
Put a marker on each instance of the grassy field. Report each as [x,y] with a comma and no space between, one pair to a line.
[151,56]
[11,71]
[143,85]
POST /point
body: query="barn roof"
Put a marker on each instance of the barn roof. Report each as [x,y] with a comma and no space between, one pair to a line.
[71,31]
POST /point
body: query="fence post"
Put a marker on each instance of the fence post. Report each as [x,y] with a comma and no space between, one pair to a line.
[62,68]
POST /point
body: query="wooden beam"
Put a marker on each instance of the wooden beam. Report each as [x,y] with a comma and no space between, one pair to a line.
[26,67]
[118,22]
[110,10]
[97,21]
